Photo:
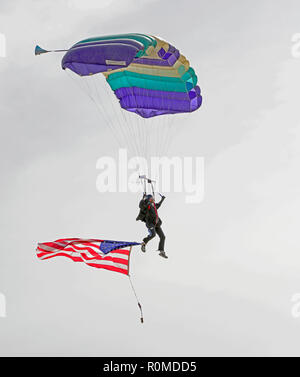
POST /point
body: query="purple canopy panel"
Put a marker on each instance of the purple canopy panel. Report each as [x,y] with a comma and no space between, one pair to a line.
[172,55]
[195,92]
[85,60]
[83,69]
[157,62]
[130,91]
[148,113]
[149,106]
[161,52]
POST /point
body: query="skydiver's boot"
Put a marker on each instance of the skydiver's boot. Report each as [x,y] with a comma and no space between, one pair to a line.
[143,247]
[163,254]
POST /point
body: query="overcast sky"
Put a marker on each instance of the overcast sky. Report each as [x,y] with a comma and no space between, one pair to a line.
[234,259]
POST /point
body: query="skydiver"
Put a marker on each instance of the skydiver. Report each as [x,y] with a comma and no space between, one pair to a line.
[148,214]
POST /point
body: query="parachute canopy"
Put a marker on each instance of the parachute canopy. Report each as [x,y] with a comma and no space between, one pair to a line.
[148,76]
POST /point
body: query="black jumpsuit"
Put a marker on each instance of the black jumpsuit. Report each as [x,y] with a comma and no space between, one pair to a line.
[153,222]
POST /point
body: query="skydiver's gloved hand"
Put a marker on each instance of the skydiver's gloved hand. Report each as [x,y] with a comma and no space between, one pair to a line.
[160,202]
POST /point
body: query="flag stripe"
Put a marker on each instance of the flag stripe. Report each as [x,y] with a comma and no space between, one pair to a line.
[111,268]
[116,257]
[92,261]
[83,258]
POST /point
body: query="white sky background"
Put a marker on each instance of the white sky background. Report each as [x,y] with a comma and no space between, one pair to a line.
[234,259]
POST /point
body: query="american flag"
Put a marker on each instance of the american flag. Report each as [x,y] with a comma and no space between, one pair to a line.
[109,255]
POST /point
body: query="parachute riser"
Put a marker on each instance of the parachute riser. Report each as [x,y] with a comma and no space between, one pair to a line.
[150,182]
